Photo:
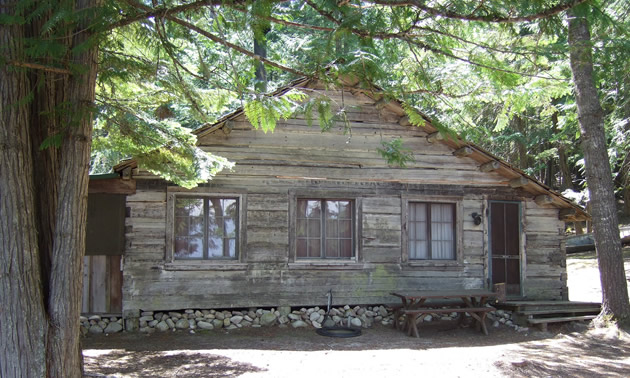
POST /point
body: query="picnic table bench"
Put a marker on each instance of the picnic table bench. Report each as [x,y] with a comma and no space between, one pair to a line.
[419,303]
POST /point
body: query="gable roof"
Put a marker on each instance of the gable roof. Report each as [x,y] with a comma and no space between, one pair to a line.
[488,162]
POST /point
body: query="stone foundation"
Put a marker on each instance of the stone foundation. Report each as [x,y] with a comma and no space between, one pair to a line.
[191,320]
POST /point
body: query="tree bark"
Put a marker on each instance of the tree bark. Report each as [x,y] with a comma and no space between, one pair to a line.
[23,324]
[521,148]
[64,303]
[44,194]
[598,172]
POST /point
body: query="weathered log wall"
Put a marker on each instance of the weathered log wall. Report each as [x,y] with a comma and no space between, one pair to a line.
[299,160]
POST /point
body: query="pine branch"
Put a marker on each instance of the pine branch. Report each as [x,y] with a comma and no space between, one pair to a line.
[221,41]
[323,13]
[232,46]
[439,51]
[149,12]
[494,18]
[163,11]
[40,67]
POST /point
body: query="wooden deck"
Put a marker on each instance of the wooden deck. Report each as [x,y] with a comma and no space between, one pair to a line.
[541,313]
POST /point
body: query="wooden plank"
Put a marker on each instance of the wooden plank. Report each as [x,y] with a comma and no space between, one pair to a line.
[382,222]
[112,186]
[381,255]
[381,205]
[98,286]
[381,238]
[269,218]
[147,196]
[425,176]
[267,202]
[115,285]
[147,210]
[561,319]
[85,296]
[317,158]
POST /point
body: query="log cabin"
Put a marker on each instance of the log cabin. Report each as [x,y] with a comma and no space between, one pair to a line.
[305,211]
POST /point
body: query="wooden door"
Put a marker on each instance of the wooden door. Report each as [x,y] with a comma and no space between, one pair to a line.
[102,285]
[505,242]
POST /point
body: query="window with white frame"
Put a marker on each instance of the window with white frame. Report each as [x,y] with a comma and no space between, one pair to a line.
[431,231]
[205,228]
[324,229]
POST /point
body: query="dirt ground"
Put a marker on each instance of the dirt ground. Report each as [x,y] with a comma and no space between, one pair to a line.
[570,350]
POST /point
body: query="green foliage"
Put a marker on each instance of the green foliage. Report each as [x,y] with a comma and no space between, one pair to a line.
[163,147]
[265,111]
[475,78]
[395,154]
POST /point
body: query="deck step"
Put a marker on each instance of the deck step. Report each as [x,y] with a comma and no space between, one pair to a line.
[521,306]
[561,319]
[562,310]
[543,312]
[542,322]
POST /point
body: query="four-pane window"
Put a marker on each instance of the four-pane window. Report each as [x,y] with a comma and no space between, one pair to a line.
[431,231]
[324,229]
[206,228]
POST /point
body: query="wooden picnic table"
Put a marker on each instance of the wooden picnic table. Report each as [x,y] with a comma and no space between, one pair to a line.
[419,303]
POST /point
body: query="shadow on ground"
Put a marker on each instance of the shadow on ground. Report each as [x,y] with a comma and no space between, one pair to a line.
[565,351]
[578,354]
[433,335]
[122,363]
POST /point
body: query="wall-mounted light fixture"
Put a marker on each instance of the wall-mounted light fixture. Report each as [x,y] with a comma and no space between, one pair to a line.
[476,218]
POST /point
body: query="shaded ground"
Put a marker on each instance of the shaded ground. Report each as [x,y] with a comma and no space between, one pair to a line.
[566,351]
[284,352]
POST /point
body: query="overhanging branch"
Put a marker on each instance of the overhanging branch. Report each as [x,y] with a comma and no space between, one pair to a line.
[218,40]
[494,18]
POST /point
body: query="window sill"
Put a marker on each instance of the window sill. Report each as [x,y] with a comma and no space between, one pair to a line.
[326,265]
[204,265]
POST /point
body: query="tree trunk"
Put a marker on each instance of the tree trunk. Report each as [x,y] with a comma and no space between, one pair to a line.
[23,324]
[565,172]
[260,49]
[44,193]
[66,272]
[598,172]
[519,125]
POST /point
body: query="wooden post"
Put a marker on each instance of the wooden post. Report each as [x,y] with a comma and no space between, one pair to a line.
[566,213]
[404,121]
[227,127]
[519,182]
[490,166]
[543,200]
[463,152]
[436,136]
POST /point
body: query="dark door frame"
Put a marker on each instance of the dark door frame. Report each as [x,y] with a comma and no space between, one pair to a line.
[520,242]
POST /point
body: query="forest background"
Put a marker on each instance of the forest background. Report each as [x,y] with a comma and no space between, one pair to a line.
[85,83]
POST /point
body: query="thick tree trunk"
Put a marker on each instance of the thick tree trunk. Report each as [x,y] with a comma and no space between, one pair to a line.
[44,197]
[23,324]
[66,273]
[598,173]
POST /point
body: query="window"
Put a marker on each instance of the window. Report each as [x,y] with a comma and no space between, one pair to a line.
[205,228]
[431,231]
[324,229]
